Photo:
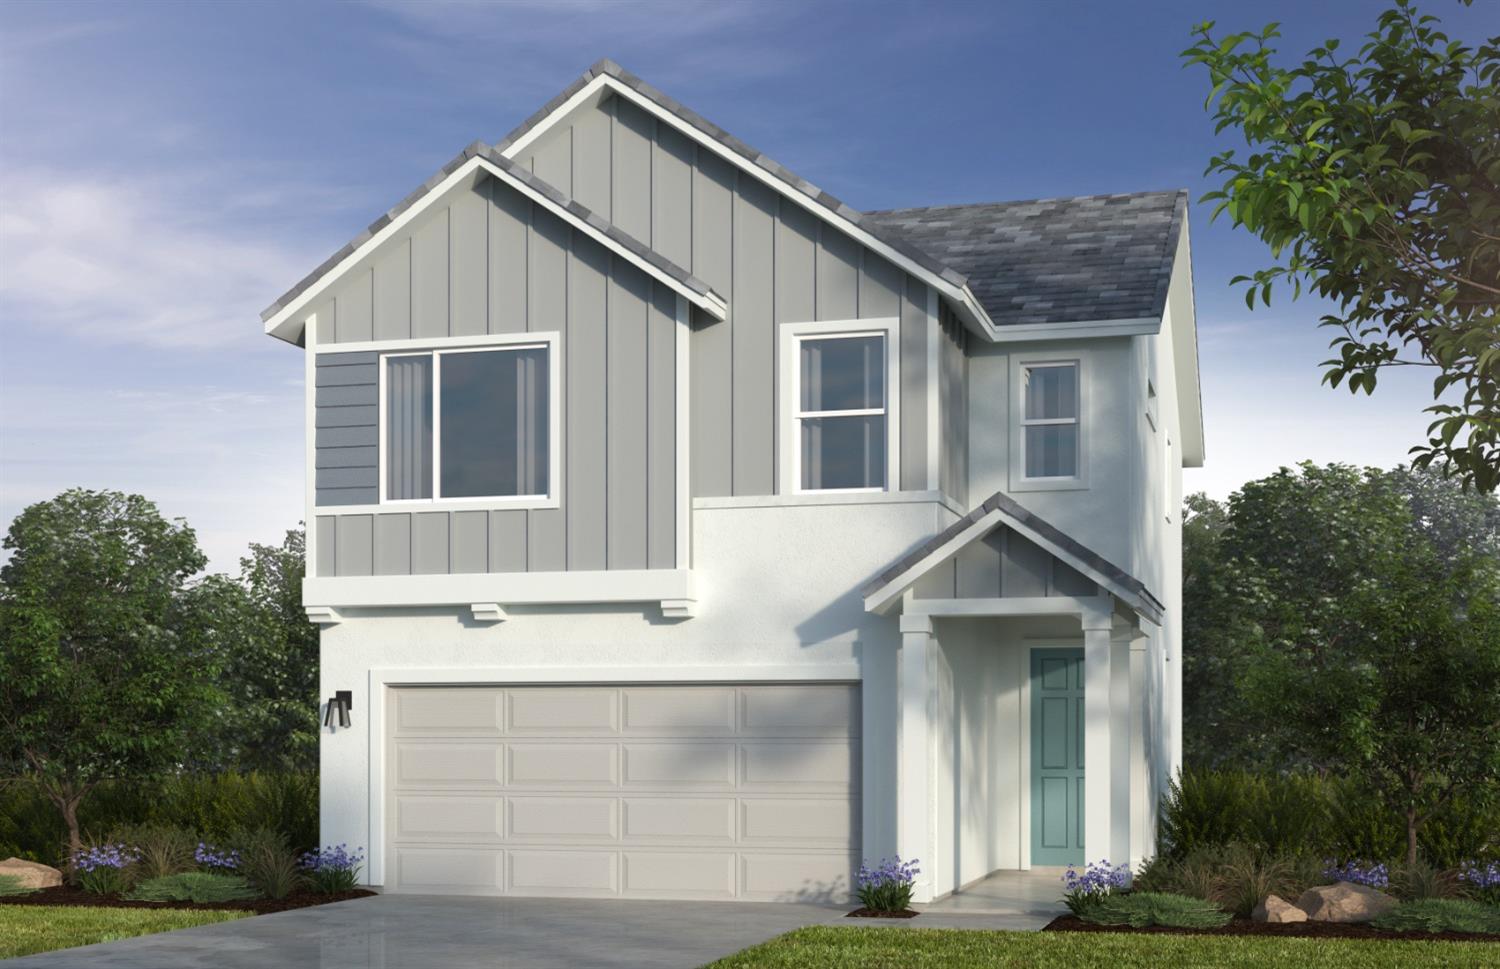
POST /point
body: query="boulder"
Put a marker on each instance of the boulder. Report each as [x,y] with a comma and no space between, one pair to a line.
[31,874]
[1277,909]
[1344,902]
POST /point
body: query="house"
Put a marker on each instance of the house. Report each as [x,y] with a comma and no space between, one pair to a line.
[678,531]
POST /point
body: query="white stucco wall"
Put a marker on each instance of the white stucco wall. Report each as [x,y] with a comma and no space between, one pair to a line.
[779,589]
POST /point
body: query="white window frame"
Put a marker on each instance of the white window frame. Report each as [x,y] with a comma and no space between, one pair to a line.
[437,349]
[791,336]
[1019,481]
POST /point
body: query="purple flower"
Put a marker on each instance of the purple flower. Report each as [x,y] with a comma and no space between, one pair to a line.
[888,886]
[1359,873]
[1487,876]
[1082,889]
[116,856]
[211,857]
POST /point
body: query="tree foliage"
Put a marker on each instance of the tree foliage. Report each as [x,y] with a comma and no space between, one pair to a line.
[1375,181]
[1348,622]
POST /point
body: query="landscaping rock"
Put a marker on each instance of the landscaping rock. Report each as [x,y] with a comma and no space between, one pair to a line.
[1344,902]
[1277,909]
[31,874]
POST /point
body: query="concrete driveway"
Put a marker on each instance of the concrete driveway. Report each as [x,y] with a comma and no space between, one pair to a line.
[448,932]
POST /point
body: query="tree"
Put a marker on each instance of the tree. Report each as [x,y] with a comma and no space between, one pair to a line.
[106,666]
[1375,181]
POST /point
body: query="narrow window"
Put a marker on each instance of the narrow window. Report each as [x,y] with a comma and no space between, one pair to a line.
[841,412]
[408,427]
[1050,420]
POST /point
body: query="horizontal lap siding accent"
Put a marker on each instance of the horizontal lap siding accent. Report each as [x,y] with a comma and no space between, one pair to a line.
[484,260]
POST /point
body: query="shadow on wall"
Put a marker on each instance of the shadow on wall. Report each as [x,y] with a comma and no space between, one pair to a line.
[836,892]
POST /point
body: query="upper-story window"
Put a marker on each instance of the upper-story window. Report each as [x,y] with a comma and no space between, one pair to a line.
[466,423]
[836,393]
[1050,420]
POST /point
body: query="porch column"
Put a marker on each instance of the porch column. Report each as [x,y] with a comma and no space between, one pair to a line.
[1098,725]
[914,751]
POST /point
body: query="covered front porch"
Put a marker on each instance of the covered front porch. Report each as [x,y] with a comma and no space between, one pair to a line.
[1030,681]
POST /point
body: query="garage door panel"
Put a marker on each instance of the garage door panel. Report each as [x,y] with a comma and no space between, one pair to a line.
[680,818]
[564,818]
[452,765]
[553,712]
[668,711]
[816,822]
[434,817]
[564,765]
[795,877]
[799,711]
[444,712]
[456,871]
[678,874]
[802,766]
[679,765]
[587,873]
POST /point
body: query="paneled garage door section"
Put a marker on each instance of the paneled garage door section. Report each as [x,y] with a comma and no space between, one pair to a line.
[726,792]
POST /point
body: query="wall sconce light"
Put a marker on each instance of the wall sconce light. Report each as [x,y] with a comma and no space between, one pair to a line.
[342,702]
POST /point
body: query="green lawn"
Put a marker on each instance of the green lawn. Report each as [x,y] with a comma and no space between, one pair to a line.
[26,929]
[884,948]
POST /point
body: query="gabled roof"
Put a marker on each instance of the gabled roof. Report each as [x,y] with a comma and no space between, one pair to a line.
[279,316]
[913,258]
[1060,260]
[999,510]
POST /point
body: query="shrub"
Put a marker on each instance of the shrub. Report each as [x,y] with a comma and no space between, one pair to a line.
[11,885]
[104,869]
[1083,890]
[336,869]
[1203,809]
[1481,881]
[1440,915]
[200,887]
[1421,881]
[162,849]
[888,886]
[1247,877]
[1142,909]
[267,862]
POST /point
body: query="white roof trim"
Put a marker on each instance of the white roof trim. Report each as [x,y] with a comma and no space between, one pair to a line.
[882,599]
[1078,330]
[287,321]
[967,304]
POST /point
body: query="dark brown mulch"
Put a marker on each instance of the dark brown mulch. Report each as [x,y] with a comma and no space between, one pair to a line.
[870,913]
[73,895]
[1294,930]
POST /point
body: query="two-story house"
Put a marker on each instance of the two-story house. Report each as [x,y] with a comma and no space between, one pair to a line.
[677,531]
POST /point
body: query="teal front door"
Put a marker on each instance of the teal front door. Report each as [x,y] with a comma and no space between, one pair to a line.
[1057,756]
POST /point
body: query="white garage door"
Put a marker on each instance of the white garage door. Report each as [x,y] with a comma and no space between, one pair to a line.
[702,791]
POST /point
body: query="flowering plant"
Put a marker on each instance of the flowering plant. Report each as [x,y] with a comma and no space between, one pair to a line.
[334,869]
[888,886]
[1083,890]
[102,869]
[1483,881]
[211,857]
[1372,876]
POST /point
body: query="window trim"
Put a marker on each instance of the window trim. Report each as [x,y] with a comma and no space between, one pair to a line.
[1019,481]
[789,423]
[437,349]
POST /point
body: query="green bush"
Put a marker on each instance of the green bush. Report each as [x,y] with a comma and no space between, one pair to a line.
[267,861]
[193,886]
[11,885]
[1423,881]
[1142,909]
[162,849]
[1441,915]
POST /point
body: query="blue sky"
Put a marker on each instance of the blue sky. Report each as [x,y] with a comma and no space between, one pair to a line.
[168,169]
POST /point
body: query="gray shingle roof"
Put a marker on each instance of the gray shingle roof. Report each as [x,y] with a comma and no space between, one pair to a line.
[491,155]
[1145,601]
[1060,260]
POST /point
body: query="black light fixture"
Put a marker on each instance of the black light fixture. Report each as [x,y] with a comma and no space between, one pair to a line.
[343,702]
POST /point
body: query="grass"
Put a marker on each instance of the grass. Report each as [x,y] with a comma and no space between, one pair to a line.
[889,948]
[28,929]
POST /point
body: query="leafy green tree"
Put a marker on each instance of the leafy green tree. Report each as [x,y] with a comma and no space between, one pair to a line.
[107,668]
[1375,181]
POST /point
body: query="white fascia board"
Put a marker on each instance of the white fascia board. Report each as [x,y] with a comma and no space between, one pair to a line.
[1079,330]
[498,588]
[1000,606]
[964,300]
[287,320]
[1184,335]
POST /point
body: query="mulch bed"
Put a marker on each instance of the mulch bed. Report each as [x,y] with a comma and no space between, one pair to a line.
[73,895]
[870,913]
[1292,930]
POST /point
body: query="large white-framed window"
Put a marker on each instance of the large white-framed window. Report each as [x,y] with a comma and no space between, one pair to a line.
[840,396]
[466,424]
[1049,442]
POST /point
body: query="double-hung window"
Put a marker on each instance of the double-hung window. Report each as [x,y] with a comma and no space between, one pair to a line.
[841,417]
[466,423]
[1049,421]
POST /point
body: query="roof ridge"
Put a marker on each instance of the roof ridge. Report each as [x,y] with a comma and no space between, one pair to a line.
[1033,201]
